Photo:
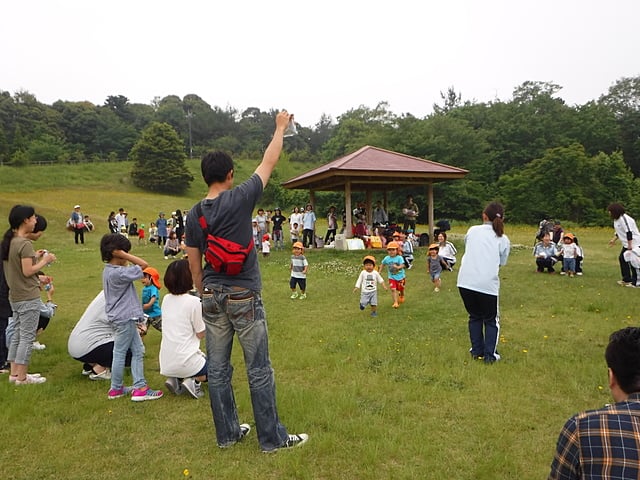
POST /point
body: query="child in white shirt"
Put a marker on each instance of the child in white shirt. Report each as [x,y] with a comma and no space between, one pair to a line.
[367,283]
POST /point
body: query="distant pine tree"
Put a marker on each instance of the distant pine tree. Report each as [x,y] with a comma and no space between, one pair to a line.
[159,161]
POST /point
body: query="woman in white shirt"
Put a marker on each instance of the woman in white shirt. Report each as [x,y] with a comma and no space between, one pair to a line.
[629,236]
[486,250]
[446,250]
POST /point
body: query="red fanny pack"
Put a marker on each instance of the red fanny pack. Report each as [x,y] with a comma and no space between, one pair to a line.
[223,255]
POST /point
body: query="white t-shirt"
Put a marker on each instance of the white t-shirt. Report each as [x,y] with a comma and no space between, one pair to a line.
[180,354]
[92,330]
[367,280]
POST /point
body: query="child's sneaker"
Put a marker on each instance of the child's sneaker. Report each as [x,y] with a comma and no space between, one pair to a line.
[146,393]
[39,346]
[361,307]
[119,392]
[303,296]
[30,380]
[401,299]
[436,289]
[395,305]
[291,442]
[294,295]
[14,378]
[173,385]
[192,386]
[374,314]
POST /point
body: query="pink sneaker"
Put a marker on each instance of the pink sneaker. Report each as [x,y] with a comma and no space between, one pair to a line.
[119,392]
[142,394]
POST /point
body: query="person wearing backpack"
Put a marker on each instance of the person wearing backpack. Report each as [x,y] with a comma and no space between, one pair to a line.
[219,229]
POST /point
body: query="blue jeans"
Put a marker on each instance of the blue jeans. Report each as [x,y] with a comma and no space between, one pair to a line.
[228,312]
[127,338]
[569,265]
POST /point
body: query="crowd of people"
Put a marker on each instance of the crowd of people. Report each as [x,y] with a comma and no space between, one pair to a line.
[215,293]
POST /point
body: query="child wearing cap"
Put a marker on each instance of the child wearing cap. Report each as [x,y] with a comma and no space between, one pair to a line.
[434,265]
[569,252]
[266,245]
[368,284]
[299,267]
[395,266]
[151,298]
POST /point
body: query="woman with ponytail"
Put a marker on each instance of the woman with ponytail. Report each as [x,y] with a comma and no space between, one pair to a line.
[21,266]
[486,250]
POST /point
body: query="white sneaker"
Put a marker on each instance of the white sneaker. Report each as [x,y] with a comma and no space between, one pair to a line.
[173,385]
[39,346]
[30,379]
[192,386]
[294,295]
[103,375]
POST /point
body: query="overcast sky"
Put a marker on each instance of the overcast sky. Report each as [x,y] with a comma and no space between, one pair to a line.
[315,57]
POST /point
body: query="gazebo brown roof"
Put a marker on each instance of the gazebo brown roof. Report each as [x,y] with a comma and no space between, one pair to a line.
[375,169]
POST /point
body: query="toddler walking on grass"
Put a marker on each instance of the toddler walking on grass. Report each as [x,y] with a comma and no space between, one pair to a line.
[368,284]
[434,265]
[124,312]
[395,267]
[299,267]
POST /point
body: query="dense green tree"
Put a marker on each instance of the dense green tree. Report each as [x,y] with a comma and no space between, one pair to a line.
[79,123]
[359,127]
[47,149]
[624,99]
[566,183]
[113,134]
[159,161]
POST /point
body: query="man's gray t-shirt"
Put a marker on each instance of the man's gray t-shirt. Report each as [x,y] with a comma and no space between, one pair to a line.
[229,216]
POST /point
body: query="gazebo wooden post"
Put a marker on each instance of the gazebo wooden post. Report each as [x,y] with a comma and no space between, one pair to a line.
[369,207]
[348,210]
[312,201]
[430,211]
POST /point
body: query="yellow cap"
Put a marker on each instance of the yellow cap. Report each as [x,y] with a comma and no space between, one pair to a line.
[391,245]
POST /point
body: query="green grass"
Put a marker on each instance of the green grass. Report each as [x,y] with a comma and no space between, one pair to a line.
[391,397]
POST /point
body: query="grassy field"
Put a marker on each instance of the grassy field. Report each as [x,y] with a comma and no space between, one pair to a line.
[395,397]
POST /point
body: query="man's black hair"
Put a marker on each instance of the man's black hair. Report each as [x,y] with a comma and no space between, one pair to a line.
[215,166]
[623,358]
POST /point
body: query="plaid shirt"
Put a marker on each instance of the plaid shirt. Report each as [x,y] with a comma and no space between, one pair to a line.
[600,444]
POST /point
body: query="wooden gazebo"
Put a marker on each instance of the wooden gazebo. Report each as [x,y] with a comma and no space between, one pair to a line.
[373,169]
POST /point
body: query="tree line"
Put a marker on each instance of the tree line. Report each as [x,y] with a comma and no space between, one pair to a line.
[535,153]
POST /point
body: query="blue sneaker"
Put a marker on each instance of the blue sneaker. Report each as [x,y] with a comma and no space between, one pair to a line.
[374,314]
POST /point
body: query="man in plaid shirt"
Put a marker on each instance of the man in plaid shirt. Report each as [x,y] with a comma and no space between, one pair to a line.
[605,443]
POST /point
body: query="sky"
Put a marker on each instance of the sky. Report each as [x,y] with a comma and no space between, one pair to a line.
[315,57]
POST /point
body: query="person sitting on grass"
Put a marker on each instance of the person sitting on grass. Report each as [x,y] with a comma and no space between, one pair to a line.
[181,360]
[151,297]
[546,254]
[172,248]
